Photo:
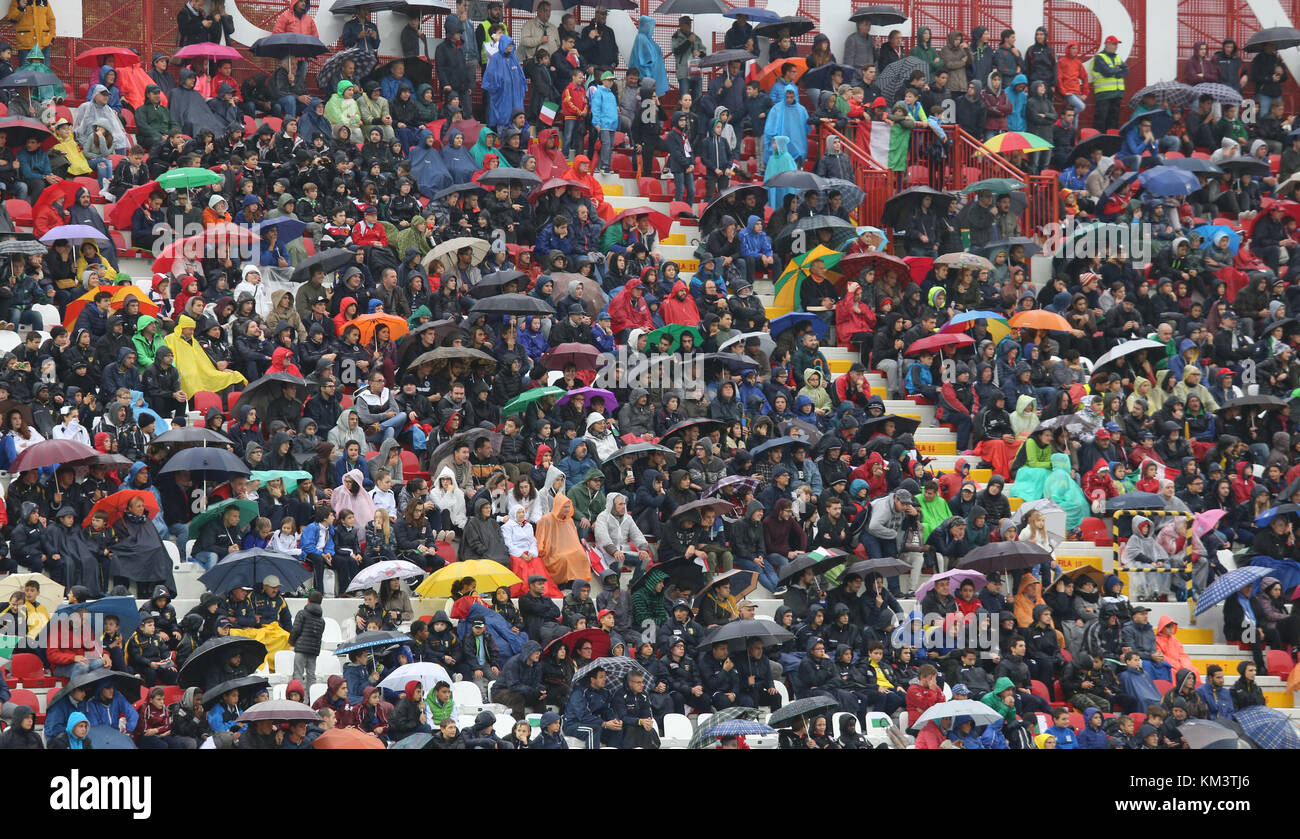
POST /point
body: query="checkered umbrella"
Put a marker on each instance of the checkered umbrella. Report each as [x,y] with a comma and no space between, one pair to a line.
[1223,587]
[895,76]
[1269,727]
[330,73]
[1222,94]
[616,667]
[1175,93]
[730,728]
[736,713]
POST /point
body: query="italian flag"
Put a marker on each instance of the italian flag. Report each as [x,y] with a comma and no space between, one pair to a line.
[751,71]
[548,112]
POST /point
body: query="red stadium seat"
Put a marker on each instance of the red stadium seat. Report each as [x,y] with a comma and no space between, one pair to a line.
[206,400]
[1094,530]
[1279,663]
[30,671]
[274,122]
[232,398]
[411,466]
[1163,686]
[22,696]
[650,189]
[1274,164]
[20,211]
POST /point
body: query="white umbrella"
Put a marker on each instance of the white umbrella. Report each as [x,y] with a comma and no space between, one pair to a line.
[977,711]
[1053,517]
[51,592]
[956,575]
[390,569]
[450,247]
[765,342]
[426,673]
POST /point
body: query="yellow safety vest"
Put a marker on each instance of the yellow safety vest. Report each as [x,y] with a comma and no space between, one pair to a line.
[486,29]
[1105,84]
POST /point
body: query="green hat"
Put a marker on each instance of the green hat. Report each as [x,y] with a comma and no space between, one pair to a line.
[606,75]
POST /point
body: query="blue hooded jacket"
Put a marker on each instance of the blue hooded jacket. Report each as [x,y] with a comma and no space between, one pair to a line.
[779,160]
[100,714]
[428,166]
[1088,737]
[459,162]
[791,121]
[575,468]
[504,79]
[754,243]
[1017,98]
[647,57]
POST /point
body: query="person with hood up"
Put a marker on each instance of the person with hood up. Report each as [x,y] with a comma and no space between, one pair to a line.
[342,108]
[558,545]
[482,537]
[75,736]
[615,531]
[96,110]
[786,118]
[1143,551]
[647,57]
[505,82]
[190,109]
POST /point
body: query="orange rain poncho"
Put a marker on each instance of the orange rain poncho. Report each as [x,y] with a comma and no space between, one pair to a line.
[558,545]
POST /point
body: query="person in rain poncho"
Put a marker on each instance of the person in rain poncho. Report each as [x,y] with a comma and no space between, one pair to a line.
[352,495]
[1065,491]
[97,110]
[449,498]
[196,369]
[483,147]
[342,109]
[190,109]
[1143,551]
[46,92]
[456,157]
[1038,463]
[506,83]
[558,545]
[647,57]
[428,166]
[787,119]
[779,160]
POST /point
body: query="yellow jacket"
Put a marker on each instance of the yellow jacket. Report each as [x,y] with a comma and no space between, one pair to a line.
[197,371]
[77,164]
[33,25]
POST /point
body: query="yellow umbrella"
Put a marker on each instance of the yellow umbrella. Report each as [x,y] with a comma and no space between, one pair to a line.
[51,592]
[488,573]
[787,285]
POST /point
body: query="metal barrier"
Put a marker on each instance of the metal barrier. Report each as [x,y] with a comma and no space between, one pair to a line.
[872,178]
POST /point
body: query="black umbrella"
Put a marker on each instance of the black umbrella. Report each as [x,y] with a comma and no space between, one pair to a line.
[332,70]
[92,682]
[639,449]
[1120,183]
[617,668]
[212,655]
[1238,166]
[456,189]
[811,706]
[691,7]
[721,205]
[373,639]
[1004,556]
[903,202]
[349,7]
[511,304]
[441,329]
[717,505]
[26,247]
[469,437]
[902,425]
[248,687]
[192,434]
[734,363]
[1253,402]
[725,57]
[491,284]
[804,561]
[329,261]
[792,25]
[288,45]
[810,225]
[679,569]
[30,78]
[206,463]
[893,78]
[1283,37]
[797,179]
[778,443]
[1108,143]
[249,568]
[1195,165]
[418,71]
[1135,501]
[706,426]
[421,8]
[819,78]
[742,630]
[508,174]
[262,392]
[18,130]
[885,566]
[878,15]
[444,355]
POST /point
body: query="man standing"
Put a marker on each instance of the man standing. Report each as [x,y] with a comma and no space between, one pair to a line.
[298,20]
[687,46]
[597,45]
[538,32]
[1107,73]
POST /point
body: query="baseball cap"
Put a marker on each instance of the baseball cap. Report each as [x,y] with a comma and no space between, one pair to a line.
[604,612]
[1111,39]
[681,604]
[1137,609]
[271,580]
[536,578]
[1103,434]
[903,495]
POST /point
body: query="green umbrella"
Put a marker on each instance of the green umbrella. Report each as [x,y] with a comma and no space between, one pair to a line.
[1001,186]
[674,331]
[188,177]
[290,479]
[247,512]
[528,397]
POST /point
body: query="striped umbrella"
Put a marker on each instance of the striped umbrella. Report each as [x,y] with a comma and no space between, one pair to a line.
[1176,94]
[1223,587]
[1222,94]
[1021,141]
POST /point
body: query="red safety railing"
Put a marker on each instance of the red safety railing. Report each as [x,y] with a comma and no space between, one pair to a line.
[968,161]
[872,178]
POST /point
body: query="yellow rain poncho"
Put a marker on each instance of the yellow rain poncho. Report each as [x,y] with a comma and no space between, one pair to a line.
[196,369]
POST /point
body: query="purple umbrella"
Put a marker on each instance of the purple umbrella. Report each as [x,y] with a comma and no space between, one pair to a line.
[611,403]
[74,233]
[732,483]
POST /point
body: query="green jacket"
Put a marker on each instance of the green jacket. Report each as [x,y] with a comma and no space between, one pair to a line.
[585,504]
[151,122]
[144,349]
[927,53]
[991,699]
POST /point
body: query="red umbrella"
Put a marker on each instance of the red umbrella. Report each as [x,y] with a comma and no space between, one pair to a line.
[120,211]
[67,190]
[599,642]
[216,240]
[347,738]
[50,453]
[470,128]
[115,504]
[120,56]
[18,129]
[212,52]
[880,261]
[584,356]
[660,222]
[938,340]
[557,183]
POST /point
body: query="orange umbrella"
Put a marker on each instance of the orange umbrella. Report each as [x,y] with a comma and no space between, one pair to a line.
[367,324]
[347,738]
[1039,319]
[769,74]
[120,294]
[115,505]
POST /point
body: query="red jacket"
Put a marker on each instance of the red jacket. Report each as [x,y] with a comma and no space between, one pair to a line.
[65,645]
[852,316]
[1099,483]
[363,236]
[290,22]
[574,102]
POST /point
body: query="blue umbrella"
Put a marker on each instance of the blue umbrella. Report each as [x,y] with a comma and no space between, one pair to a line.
[1263,519]
[288,227]
[1160,123]
[289,44]
[122,608]
[1224,587]
[732,728]
[372,639]
[755,14]
[874,230]
[977,315]
[1209,232]
[1268,727]
[105,737]
[248,569]
[1167,180]
[210,461]
[785,322]
[777,443]
[74,233]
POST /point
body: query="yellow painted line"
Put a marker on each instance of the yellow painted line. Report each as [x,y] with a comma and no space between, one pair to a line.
[674,239]
[1279,700]
[1014,502]
[981,476]
[1190,635]
[878,390]
[772,312]
[612,189]
[841,365]
[1229,665]
[688,265]
[1069,563]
